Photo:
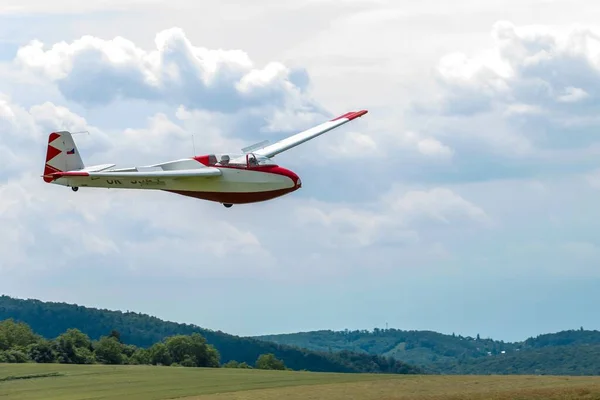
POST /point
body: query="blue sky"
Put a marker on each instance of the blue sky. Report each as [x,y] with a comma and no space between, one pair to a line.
[465,201]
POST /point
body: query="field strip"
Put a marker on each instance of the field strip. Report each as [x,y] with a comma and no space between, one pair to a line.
[431,388]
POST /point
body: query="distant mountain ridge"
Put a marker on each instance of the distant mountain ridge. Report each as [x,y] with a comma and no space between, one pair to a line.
[50,319]
[572,352]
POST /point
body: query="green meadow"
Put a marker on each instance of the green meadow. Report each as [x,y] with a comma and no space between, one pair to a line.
[71,382]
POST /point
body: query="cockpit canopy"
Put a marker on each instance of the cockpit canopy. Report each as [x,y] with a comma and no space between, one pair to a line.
[247,160]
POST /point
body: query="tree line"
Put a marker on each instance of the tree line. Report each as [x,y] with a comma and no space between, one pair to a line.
[20,344]
[50,319]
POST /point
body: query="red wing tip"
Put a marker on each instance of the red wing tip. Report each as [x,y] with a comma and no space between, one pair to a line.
[351,115]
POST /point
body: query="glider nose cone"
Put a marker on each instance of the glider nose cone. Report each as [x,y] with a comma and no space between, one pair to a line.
[292,175]
[295,178]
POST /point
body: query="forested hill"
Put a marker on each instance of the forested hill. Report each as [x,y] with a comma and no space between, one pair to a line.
[573,352]
[420,347]
[50,320]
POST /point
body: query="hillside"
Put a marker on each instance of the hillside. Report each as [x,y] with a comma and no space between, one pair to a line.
[50,319]
[418,347]
[574,352]
[560,360]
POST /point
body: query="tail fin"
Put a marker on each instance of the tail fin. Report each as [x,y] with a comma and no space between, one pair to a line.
[62,154]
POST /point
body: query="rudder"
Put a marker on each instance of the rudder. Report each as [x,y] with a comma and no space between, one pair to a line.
[62,154]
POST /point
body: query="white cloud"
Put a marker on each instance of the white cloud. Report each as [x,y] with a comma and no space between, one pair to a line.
[522,109]
[352,144]
[381,141]
[439,204]
[531,65]
[426,145]
[218,83]
[528,103]
[346,227]
[396,217]
[95,71]
[573,95]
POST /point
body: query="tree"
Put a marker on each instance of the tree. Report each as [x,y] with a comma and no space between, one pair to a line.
[128,349]
[13,356]
[41,352]
[16,335]
[159,355]
[269,361]
[109,351]
[116,334]
[140,357]
[74,347]
[231,364]
[192,349]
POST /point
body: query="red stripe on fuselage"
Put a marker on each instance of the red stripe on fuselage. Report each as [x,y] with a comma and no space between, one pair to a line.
[271,169]
[235,197]
[243,197]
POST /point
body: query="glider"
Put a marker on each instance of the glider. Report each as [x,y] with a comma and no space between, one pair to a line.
[247,177]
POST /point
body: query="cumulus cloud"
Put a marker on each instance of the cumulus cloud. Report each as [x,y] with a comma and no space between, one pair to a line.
[94,71]
[262,101]
[352,144]
[427,146]
[395,218]
[529,104]
[438,204]
[53,229]
[529,66]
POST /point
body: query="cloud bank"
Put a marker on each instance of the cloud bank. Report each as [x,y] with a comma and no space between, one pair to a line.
[493,180]
[94,71]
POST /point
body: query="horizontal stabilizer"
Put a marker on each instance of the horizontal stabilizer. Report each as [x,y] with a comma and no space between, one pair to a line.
[97,168]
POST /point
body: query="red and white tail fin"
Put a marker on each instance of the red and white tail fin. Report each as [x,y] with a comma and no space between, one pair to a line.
[62,155]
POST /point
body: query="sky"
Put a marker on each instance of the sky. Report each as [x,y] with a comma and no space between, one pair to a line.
[465,201]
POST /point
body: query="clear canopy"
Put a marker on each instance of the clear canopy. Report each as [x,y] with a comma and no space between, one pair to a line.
[240,159]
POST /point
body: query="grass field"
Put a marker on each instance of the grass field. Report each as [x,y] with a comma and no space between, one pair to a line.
[54,381]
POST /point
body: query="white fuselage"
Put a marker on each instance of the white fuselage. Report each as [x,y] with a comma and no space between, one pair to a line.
[235,185]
